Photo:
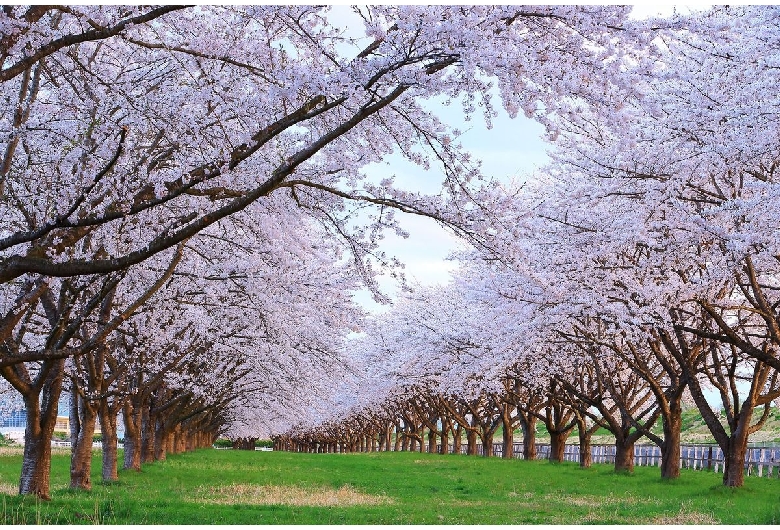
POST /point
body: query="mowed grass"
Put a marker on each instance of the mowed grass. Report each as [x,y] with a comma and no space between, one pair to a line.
[245,487]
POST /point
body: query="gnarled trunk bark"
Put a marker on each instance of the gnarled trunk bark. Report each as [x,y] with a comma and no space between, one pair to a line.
[83,429]
[734,458]
[457,439]
[558,444]
[132,444]
[528,425]
[148,433]
[508,441]
[109,442]
[624,456]
[445,439]
[487,443]
[584,435]
[471,441]
[670,448]
[41,408]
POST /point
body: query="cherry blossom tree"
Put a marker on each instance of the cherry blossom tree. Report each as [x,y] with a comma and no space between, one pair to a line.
[189,115]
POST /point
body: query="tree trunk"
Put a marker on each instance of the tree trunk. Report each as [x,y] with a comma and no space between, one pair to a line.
[457,439]
[558,444]
[624,456]
[508,441]
[147,436]
[584,434]
[445,439]
[487,443]
[132,444]
[41,411]
[670,448]
[734,456]
[471,440]
[388,436]
[160,441]
[81,451]
[431,441]
[529,437]
[108,442]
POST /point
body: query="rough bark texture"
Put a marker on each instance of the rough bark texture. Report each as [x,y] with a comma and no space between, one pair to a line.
[508,440]
[132,444]
[431,441]
[471,440]
[624,456]
[445,441]
[81,452]
[487,443]
[558,444]
[670,448]
[108,442]
[147,436]
[584,435]
[41,411]
[734,465]
[529,437]
[457,440]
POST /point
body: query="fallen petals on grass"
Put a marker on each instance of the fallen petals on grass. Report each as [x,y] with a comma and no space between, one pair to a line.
[288,495]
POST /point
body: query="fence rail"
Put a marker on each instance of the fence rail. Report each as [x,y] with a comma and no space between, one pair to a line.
[762,461]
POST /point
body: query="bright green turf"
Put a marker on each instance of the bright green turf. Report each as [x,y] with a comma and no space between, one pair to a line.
[426,489]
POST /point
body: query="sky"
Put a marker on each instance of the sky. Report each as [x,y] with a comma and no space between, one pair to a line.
[512,149]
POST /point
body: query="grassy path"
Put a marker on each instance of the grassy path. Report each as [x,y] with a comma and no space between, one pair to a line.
[242,487]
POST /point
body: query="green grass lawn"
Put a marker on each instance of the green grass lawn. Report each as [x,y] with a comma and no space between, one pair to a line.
[243,487]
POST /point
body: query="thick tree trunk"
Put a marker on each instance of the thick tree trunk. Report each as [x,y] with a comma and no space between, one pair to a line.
[170,442]
[132,443]
[457,439]
[584,435]
[181,436]
[529,437]
[161,441]
[36,464]
[471,441]
[147,436]
[109,441]
[670,448]
[508,441]
[558,444]
[41,408]
[41,411]
[734,468]
[734,456]
[445,439]
[388,436]
[81,450]
[624,456]
[431,441]
[487,444]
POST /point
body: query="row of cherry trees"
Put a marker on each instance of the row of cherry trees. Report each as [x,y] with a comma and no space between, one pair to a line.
[638,272]
[185,206]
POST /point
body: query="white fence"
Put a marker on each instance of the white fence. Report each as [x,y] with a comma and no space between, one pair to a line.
[759,461]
